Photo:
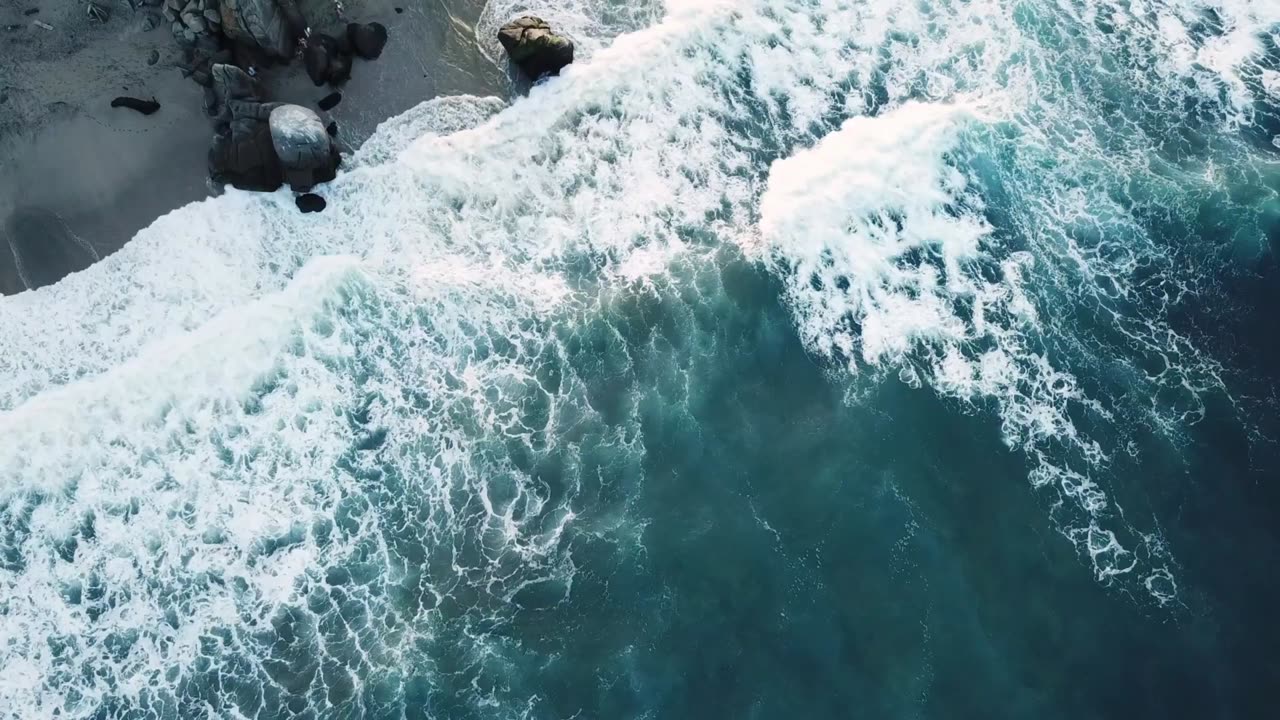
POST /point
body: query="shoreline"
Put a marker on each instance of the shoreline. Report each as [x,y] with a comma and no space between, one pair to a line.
[107,173]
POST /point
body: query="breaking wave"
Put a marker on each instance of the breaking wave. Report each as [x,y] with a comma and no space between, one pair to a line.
[260,460]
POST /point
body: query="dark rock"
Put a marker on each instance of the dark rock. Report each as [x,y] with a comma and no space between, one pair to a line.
[146,107]
[533,47]
[316,60]
[293,18]
[242,155]
[310,203]
[331,128]
[236,94]
[307,153]
[330,101]
[367,39]
[339,69]
[343,43]
[4,98]
[202,78]
[399,10]
[154,57]
[261,23]
[31,11]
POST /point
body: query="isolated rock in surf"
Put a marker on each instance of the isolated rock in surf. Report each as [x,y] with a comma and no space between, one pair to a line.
[531,45]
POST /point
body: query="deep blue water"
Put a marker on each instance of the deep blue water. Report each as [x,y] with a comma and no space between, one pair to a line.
[779,360]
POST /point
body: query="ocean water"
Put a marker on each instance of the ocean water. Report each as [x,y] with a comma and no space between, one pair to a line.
[781,359]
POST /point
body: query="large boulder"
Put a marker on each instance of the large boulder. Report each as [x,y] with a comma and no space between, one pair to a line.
[243,153]
[531,45]
[307,153]
[367,39]
[260,23]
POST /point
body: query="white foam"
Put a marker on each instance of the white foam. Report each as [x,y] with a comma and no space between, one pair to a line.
[201,427]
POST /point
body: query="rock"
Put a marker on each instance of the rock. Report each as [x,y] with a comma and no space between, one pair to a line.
[212,17]
[259,22]
[154,57]
[293,18]
[150,22]
[533,47]
[330,101]
[316,60]
[236,94]
[169,13]
[30,11]
[196,24]
[146,107]
[331,128]
[399,10]
[310,203]
[306,151]
[339,69]
[242,155]
[367,39]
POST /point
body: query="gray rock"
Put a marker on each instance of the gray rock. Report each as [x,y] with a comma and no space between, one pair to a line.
[259,22]
[306,151]
[243,153]
[211,16]
[534,47]
[169,13]
[154,57]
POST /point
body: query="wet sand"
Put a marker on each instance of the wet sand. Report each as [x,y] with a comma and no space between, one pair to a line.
[106,172]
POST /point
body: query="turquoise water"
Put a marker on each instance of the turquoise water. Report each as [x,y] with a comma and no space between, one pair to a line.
[780,359]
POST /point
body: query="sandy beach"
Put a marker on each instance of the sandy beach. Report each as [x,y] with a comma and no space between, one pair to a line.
[104,173]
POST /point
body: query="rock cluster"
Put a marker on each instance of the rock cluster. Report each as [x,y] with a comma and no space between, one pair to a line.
[328,58]
[191,19]
[260,145]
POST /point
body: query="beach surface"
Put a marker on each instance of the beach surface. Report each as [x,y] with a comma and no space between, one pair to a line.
[97,174]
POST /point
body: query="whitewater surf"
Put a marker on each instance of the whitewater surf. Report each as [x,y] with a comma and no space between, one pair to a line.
[781,358]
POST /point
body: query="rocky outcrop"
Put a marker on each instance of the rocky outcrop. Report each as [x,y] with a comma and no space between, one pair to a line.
[307,154]
[534,48]
[191,19]
[260,23]
[243,153]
